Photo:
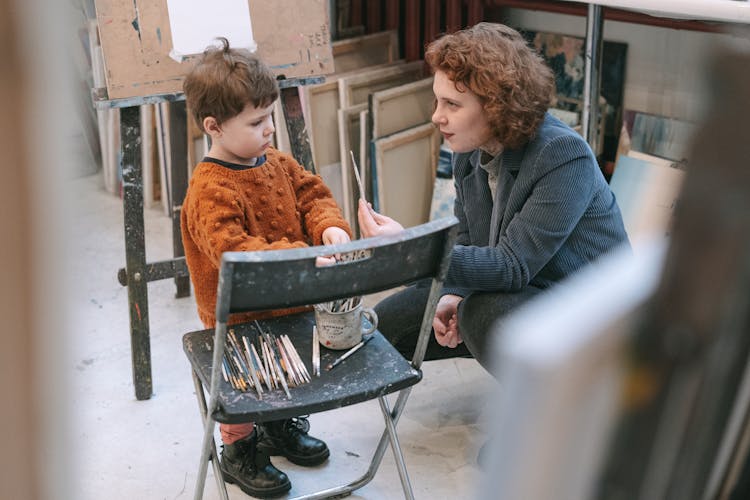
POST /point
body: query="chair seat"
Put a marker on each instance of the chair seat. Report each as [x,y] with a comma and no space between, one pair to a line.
[375,370]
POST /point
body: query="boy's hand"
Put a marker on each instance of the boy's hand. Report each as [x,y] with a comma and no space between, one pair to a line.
[324,261]
[372,223]
[332,236]
[335,235]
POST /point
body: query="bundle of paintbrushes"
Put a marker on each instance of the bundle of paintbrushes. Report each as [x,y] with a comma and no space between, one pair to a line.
[265,360]
[344,305]
[341,305]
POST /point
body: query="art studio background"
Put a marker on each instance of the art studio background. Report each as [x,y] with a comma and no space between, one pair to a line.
[76,430]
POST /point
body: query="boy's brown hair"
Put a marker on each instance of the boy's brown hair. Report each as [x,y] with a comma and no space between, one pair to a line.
[512,81]
[224,81]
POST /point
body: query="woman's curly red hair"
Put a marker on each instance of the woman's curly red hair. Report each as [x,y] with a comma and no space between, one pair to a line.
[496,63]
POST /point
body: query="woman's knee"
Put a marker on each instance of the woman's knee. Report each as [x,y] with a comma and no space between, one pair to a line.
[400,314]
[480,314]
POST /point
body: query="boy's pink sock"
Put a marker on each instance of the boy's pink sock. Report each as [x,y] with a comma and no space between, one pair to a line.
[233,432]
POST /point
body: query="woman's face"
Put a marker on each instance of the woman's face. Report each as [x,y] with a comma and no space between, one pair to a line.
[461,118]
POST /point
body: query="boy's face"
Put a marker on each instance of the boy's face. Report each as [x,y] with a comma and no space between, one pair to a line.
[243,137]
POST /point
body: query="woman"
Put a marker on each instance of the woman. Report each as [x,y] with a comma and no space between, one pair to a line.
[532,204]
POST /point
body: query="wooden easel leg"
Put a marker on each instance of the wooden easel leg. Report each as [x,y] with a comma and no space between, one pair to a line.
[135,250]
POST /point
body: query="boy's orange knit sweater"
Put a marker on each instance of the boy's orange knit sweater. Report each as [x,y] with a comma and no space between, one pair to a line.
[275,205]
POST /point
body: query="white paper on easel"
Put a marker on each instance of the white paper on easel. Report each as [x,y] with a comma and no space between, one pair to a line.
[196,24]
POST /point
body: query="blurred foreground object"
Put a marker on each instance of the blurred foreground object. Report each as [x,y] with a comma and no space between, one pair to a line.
[610,389]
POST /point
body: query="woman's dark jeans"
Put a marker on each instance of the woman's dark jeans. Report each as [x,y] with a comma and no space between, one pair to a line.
[400,316]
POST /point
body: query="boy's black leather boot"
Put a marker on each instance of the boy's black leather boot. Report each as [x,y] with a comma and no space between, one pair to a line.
[289,438]
[242,463]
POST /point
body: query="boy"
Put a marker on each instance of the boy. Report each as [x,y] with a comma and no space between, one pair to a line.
[243,196]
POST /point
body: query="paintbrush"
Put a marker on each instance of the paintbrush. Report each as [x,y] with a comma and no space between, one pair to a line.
[315,352]
[348,353]
[275,364]
[356,174]
[296,360]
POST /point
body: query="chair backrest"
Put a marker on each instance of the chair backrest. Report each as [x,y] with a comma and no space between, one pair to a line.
[275,279]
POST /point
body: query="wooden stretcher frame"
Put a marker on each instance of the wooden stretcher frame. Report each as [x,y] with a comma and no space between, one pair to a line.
[322,102]
[281,136]
[364,153]
[365,51]
[401,107]
[356,88]
[350,131]
[404,166]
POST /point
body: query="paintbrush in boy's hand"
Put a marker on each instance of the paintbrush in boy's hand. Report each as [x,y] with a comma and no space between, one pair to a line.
[356,174]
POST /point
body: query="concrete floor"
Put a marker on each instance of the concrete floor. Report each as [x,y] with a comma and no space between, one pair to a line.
[149,449]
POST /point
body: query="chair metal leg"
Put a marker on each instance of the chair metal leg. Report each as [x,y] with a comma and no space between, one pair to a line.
[203,466]
[395,415]
[222,487]
[220,336]
[391,418]
[396,447]
[377,456]
[344,490]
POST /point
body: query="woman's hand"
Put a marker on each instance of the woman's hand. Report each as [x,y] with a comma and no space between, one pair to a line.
[445,322]
[372,223]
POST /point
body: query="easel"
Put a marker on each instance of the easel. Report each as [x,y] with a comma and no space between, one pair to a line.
[137,273]
[140,72]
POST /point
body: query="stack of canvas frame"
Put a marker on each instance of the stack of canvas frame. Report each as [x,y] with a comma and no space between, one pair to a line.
[404,150]
[337,113]
[108,119]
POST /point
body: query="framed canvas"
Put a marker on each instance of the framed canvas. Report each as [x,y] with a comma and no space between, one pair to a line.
[322,103]
[653,159]
[565,54]
[404,166]
[148,154]
[356,88]
[401,107]
[349,140]
[364,153]
[443,198]
[662,136]
[165,161]
[281,136]
[331,175]
[198,143]
[366,50]
[647,193]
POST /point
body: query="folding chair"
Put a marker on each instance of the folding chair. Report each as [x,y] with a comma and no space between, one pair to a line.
[255,281]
